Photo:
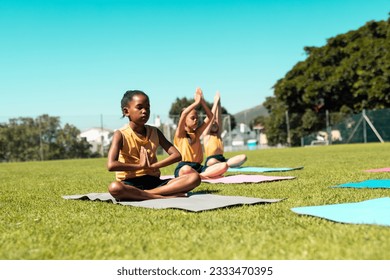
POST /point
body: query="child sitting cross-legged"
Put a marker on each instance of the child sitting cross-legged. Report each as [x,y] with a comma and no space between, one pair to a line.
[187,141]
[133,156]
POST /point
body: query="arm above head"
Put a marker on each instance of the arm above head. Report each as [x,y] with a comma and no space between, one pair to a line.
[215,110]
[180,131]
[218,112]
[208,120]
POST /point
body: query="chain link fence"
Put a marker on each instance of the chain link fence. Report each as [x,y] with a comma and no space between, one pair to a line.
[365,127]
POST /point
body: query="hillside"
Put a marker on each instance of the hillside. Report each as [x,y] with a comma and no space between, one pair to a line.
[248,115]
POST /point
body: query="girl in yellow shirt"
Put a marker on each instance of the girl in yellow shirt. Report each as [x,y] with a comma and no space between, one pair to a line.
[133,156]
[213,144]
[187,141]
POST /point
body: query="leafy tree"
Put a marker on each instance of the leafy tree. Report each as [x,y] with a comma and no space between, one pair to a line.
[70,145]
[19,139]
[181,103]
[276,128]
[48,128]
[177,107]
[350,73]
[24,139]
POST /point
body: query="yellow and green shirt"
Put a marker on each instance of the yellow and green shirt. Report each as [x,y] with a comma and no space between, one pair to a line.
[130,152]
[189,147]
[214,146]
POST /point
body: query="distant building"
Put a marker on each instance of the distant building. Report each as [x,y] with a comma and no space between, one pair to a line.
[99,138]
[262,138]
[240,138]
[243,134]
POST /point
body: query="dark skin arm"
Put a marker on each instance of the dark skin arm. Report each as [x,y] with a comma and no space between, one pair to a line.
[173,154]
[114,165]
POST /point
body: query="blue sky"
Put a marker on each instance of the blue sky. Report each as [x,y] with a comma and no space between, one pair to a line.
[73,58]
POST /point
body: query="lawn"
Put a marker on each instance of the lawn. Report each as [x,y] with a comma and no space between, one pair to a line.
[37,223]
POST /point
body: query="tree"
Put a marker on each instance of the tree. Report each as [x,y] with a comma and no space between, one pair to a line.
[19,139]
[350,73]
[180,103]
[48,128]
[25,139]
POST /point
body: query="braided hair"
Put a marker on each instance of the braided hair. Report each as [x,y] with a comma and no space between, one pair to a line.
[128,96]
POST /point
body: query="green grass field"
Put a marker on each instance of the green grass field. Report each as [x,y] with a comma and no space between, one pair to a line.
[37,223]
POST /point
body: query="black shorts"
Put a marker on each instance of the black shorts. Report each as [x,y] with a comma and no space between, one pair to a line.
[197,166]
[218,157]
[146,182]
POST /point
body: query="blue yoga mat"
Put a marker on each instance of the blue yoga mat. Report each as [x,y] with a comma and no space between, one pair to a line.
[262,169]
[373,211]
[373,184]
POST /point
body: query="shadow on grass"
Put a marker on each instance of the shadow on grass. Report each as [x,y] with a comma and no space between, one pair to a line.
[203,192]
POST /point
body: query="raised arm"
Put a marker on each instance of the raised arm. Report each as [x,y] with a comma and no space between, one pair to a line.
[216,113]
[208,120]
[180,131]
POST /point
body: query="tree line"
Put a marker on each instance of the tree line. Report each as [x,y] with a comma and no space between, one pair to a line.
[42,138]
[350,73]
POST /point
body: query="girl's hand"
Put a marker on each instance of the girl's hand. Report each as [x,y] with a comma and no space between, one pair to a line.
[217,97]
[198,95]
[143,158]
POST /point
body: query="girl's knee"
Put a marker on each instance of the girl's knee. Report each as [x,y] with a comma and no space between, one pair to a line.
[242,158]
[194,179]
[115,188]
[237,161]
[186,169]
[212,161]
[223,166]
[215,170]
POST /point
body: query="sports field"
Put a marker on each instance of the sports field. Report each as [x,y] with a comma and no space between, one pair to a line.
[37,223]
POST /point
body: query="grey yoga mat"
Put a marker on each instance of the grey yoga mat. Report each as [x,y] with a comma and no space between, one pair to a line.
[194,203]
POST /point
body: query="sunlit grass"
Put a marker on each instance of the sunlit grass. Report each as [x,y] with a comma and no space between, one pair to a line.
[37,223]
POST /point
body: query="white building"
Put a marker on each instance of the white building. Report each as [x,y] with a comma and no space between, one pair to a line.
[99,138]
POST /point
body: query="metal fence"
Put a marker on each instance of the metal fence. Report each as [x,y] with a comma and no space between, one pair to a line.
[367,126]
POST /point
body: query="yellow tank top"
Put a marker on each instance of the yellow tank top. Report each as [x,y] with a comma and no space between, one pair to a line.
[214,146]
[190,149]
[130,151]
